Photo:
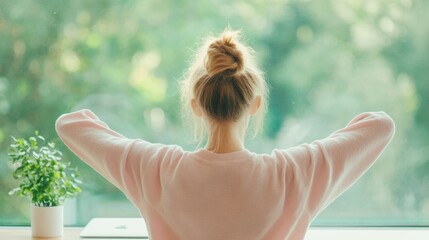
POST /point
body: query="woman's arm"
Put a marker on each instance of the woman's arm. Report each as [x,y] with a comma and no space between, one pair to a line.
[325,168]
[114,156]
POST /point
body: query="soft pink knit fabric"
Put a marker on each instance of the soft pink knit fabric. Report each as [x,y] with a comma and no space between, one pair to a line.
[240,195]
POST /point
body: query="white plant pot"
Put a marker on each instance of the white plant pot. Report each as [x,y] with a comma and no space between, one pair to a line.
[47,221]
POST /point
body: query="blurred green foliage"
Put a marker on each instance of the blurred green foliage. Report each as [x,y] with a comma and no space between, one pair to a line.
[325,61]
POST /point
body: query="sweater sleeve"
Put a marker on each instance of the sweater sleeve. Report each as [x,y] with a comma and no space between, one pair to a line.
[115,157]
[324,169]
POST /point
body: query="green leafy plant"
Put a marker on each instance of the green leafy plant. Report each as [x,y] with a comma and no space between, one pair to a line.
[43,175]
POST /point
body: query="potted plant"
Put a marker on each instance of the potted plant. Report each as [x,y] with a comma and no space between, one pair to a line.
[46,179]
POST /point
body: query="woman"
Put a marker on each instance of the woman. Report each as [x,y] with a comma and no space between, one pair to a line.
[223,191]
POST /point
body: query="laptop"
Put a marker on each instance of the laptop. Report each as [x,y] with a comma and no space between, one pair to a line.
[120,228]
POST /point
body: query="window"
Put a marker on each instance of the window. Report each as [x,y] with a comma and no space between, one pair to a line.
[325,61]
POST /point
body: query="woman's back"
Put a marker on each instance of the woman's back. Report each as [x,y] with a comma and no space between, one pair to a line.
[236,195]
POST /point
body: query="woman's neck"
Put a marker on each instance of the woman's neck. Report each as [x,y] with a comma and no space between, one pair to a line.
[226,138]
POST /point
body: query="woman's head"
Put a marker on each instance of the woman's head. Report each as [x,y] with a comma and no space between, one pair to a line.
[224,84]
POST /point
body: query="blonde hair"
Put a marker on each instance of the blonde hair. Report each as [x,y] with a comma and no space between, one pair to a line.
[224,80]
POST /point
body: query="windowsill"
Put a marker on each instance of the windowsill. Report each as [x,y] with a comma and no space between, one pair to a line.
[368,233]
[314,233]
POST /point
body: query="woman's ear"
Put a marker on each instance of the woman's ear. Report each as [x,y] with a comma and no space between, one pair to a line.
[256,105]
[195,108]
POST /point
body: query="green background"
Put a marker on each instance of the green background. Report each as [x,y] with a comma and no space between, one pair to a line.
[325,62]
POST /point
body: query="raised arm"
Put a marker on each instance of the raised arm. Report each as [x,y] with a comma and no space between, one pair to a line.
[325,168]
[114,156]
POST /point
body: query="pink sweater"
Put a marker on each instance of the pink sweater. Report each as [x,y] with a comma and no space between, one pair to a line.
[240,195]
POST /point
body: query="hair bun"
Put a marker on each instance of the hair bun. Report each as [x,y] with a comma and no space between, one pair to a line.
[223,56]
